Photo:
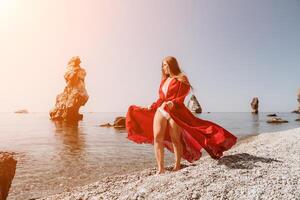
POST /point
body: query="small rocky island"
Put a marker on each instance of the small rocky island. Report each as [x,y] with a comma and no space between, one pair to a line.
[254,105]
[22,111]
[74,95]
[298,109]
[194,105]
[276,120]
[119,123]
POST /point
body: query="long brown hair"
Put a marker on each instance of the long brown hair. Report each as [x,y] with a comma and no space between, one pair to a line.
[175,70]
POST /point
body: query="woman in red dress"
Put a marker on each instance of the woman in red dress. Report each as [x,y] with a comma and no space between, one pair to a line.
[169,123]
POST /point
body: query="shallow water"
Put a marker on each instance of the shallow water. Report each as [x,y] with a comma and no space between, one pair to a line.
[53,157]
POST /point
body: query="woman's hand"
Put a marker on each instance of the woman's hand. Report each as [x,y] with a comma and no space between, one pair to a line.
[146,107]
[170,104]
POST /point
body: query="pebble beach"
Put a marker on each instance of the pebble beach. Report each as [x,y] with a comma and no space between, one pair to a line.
[266,166]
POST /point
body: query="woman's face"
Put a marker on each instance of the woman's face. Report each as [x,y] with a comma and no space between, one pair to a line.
[166,68]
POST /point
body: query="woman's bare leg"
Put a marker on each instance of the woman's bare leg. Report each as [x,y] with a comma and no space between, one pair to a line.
[175,134]
[159,128]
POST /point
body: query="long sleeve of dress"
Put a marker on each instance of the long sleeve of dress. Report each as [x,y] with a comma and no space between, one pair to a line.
[156,104]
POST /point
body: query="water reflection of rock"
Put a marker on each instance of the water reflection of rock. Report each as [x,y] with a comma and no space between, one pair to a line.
[255,124]
[72,137]
[70,160]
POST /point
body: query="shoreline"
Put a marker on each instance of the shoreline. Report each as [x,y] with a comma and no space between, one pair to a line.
[263,166]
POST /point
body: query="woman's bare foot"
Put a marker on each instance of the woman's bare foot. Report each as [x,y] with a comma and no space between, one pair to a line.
[176,168]
[161,171]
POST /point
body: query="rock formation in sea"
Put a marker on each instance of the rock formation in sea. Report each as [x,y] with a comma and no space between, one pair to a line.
[194,105]
[7,173]
[254,105]
[272,115]
[74,95]
[276,120]
[119,123]
[23,111]
[298,110]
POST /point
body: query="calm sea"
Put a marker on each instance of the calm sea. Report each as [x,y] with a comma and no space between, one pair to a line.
[53,157]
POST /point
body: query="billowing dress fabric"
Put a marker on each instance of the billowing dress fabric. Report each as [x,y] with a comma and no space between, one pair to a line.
[196,133]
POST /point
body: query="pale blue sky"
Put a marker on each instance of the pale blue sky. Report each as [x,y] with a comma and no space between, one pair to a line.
[231,50]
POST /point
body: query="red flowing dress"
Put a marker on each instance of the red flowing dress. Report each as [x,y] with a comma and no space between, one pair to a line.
[196,133]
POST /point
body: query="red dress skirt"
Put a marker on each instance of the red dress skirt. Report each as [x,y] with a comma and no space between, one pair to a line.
[196,133]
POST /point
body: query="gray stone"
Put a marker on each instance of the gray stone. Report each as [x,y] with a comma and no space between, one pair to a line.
[277,120]
[7,173]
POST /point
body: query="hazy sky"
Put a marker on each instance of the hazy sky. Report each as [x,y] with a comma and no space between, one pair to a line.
[231,50]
